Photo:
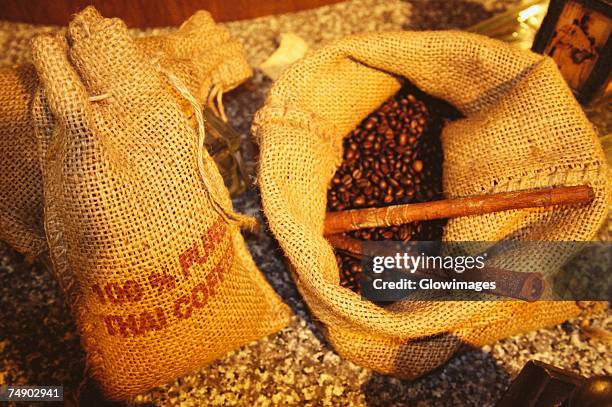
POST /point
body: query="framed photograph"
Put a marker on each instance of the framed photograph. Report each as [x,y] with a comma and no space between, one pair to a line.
[576,34]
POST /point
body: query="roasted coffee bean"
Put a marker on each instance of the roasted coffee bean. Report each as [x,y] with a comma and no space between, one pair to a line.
[417,165]
[393,157]
[347,180]
[362,182]
[402,139]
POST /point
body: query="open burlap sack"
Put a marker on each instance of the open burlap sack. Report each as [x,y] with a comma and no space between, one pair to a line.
[140,226]
[200,53]
[522,129]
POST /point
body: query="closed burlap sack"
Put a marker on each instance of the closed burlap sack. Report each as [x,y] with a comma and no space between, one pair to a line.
[140,226]
[20,182]
[522,129]
[200,53]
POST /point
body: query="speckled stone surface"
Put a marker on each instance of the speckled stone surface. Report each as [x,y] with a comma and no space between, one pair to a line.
[38,343]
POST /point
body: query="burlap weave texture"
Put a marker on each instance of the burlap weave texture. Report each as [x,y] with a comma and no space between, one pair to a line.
[140,226]
[200,53]
[522,129]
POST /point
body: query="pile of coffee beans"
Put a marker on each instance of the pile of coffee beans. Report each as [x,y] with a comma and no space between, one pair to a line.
[393,157]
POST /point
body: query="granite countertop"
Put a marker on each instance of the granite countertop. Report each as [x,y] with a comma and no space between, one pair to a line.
[39,345]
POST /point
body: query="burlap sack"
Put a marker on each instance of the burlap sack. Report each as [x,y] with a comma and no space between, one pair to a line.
[522,129]
[20,182]
[140,227]
[200,53]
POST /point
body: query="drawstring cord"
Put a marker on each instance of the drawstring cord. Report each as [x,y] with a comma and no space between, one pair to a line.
[206,166]
[215,101]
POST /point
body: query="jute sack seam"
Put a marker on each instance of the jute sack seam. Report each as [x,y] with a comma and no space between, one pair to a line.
[300,119]
[28,236]
[566,175]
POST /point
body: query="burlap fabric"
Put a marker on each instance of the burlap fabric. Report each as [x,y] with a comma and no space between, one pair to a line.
[20,181]
[200,53]
[140,226]
[522,129]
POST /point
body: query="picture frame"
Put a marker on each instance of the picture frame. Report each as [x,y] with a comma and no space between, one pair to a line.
[577,34]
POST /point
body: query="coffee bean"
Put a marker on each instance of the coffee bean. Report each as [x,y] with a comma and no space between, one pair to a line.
[393,157]
[387,234]
[382,128]
[347,180]
[362,182]
[405,233]
[417,165]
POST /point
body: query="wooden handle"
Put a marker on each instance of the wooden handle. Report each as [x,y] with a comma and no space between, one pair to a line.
[354,219]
